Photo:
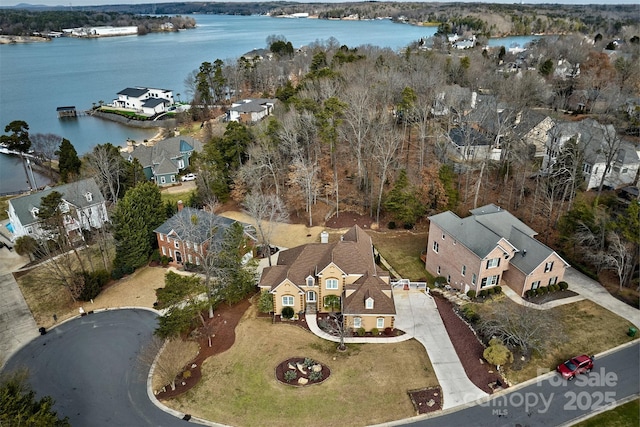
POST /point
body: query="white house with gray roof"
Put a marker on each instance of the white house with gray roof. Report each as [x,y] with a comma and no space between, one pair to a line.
[489,248]
[144,100]
[250,110]
[82,202]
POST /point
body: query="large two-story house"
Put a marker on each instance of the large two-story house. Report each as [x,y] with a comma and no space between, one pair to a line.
[82,203]
[163,161]
[144,100]
[595,142]
[491,247]
[188,235]
[340,276]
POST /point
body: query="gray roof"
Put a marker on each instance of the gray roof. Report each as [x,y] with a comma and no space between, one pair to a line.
[466,136]
[72,193]
[169,148]
[153,102]
[135,92]
[253,105]
[482,231]
[196,225]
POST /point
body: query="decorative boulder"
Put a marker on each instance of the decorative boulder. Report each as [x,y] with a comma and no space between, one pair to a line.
[303,381]
[316,368]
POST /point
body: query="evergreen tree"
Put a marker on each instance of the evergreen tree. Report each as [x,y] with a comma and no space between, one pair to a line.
[19,138]
[181,297]
[403,201]
[139,213]
[236,280]
[68,161]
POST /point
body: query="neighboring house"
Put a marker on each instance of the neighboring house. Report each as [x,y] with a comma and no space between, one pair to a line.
[250,110]
[187,236]
[326,277]
[491,247]
[144,100]
[83,205]
[532,128]
[103,31]
[594,141]
[163,161]
[469,145]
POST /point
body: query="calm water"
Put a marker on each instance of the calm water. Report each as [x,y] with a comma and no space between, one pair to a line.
[38,77]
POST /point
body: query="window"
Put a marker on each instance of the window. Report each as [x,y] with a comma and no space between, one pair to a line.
[161,237]
[190,259]
[435,247]
[448,278]
[357,322]
[586,168]
[88,196]
[173,178]
[548,267]
[332,283]
[438,270]
[64,207]
[162,180]
[553,280]
[495,262]
[443,237]
[473,279]
[490,281]
[197,260]
[164,251]
[176,244]
[35,212]
[287,301]
[380,322]
[368,304]
[310,281]
[464,270]
[535,285]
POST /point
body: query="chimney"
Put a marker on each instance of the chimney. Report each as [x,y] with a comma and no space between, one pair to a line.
[180,205]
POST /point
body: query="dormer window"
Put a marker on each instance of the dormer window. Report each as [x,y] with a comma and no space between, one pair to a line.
[368,303]
[310,281]
[35,212]
[88,196]
[64,207]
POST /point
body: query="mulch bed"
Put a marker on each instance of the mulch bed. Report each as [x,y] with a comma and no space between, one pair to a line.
[552,296]
[426,400]
[468,348]
[349,219]
[224,321]
[284,367]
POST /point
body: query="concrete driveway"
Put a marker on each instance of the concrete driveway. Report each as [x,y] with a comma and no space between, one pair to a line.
[417,315]
[17,326]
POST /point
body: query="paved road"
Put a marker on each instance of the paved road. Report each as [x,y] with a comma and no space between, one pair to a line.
[550,401]
[90,366]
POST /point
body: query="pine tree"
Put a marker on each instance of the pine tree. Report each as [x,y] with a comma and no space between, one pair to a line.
[68,161]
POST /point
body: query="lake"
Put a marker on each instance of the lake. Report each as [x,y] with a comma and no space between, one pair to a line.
[38,77]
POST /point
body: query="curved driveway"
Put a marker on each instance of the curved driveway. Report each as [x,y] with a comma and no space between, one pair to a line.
[90,366]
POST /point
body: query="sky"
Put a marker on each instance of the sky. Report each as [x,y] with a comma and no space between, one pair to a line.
[5,3]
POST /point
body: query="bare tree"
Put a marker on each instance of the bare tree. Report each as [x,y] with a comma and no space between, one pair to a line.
[385,146]
[266,210]
[335,325]
[45,145]
[107,165]
[167,360]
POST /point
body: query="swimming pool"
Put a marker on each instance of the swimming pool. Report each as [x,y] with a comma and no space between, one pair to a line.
[9,227]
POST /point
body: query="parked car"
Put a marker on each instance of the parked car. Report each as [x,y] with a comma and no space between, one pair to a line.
[575,365]
[189,177]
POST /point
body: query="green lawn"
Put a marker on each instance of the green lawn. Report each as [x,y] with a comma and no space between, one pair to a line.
[402,249]
[621,416]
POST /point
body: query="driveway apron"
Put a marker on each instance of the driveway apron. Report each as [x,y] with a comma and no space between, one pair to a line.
[417,315]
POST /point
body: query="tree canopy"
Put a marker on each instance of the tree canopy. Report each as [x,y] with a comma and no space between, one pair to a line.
[69,163]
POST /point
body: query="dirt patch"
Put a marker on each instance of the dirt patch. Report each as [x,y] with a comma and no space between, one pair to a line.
[223,323]
[349,219]
[552,296]
[468,348]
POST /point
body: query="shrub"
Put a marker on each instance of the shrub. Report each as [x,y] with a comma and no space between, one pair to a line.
[155,256]
[186,374]
[117,273]
[290,375]
[391,225]
[497,289]
[469,313]
[315,376]
[308,362]
[265,302]
[93,283]
[408,226]
[554,288]
[287,312]
[491,291]
[471,293]
[530,293]
[361,332]
[483,293]
[563,285]
[164,260]
[388,331]
[440,281]
[375,332]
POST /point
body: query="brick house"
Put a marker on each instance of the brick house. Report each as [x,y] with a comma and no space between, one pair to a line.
[186,237]
[326,277]
[491,247]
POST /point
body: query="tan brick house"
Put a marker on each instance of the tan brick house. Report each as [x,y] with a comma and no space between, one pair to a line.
[326,277]
[491,247]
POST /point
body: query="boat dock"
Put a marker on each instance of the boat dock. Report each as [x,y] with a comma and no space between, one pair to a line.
[69,111]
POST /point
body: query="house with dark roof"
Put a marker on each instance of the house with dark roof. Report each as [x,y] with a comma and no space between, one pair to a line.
[188,235]
[82,203]
[326,277]
[468,144]
[163,161]
[250,110]
[488,248]
[143,100]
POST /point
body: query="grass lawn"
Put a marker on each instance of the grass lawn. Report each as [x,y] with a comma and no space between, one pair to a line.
[4,207]
[173,197]
[621,416]
[368,382]
[402,249]
[605,330]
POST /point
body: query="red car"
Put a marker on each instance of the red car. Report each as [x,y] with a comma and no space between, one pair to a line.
[574,366]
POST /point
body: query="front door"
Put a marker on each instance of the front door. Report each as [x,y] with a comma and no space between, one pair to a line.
[311,296]
[178,257]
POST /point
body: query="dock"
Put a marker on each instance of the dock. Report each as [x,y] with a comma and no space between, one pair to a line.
[69,111]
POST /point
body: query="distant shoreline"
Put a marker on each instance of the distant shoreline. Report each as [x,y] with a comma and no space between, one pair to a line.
[23,39]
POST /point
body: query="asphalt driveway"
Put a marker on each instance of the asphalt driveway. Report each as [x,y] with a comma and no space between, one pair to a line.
[90,366]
